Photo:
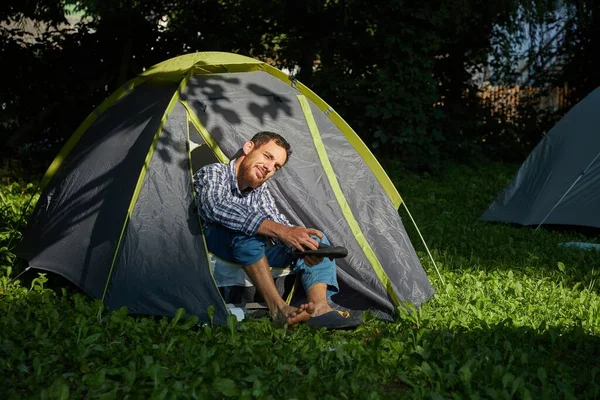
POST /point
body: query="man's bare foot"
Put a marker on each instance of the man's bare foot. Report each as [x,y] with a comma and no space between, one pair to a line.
[293,315]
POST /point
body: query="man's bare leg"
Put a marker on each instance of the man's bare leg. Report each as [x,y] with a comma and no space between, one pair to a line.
[282,313]
[317,294]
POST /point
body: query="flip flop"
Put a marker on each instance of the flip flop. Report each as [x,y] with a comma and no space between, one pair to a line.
[323,251]
[334,320]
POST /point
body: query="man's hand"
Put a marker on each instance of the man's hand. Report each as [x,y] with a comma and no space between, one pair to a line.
[311,261]
[300,237]
[294,236]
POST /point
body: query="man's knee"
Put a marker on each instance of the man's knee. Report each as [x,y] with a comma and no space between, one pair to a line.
[323,240]
[248,250]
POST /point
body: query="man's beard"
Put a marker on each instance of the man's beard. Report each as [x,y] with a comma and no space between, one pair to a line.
[249,175]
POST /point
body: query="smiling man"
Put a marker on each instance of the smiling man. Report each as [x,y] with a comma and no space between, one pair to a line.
[240,218]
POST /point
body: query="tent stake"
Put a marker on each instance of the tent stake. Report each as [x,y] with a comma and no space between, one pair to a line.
[568,190]
[426,247]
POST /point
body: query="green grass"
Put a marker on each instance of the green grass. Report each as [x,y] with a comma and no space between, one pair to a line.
[518,317]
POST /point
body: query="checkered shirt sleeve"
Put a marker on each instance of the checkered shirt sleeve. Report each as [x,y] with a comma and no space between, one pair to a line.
[217,203]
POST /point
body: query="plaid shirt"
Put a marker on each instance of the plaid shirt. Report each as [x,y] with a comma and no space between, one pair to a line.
[221,201]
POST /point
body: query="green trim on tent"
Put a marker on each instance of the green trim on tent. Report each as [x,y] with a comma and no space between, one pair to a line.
[345,207]
[225,68]
[290,296]
[204,133]
[175,68]
[142,176]
[78,134]
[206,252]
[217,62]
[352,137]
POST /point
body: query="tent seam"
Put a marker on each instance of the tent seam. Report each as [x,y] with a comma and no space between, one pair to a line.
[343,203]
[349,133]
[206,252]
[210,141]
[142,176]
[82,129]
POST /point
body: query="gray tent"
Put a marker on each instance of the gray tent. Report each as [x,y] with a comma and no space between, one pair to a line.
[116,213]
[559,183]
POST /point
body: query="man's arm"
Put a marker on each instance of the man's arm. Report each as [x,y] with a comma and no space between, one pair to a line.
[216,204]
[278,226]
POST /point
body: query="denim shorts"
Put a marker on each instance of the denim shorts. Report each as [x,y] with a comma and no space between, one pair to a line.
[239,248]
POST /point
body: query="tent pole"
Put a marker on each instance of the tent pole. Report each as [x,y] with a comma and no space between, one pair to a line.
[426,247]
[19,275]
[568,190]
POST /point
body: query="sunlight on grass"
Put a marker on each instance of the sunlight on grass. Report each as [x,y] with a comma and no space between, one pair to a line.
[520,319]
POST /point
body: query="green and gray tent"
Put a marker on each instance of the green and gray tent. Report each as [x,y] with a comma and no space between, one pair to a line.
[559,182]
[115,215]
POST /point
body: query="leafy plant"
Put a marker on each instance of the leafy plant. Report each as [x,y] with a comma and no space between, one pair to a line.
[519,317]
[16,202]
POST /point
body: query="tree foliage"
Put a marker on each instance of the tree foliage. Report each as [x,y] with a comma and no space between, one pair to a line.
[400,72]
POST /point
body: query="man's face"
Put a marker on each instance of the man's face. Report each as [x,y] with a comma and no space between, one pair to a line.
[260,163]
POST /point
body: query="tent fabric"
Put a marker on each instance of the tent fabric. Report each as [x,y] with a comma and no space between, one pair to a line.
[265,105]
[75,226]
[559,182]
[117,219]
[155,238]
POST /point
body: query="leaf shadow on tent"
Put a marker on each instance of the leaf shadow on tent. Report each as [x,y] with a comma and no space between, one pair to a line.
[269,108]
[232,115]
[232,109]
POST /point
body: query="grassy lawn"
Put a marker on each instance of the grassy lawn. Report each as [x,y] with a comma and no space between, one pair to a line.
[517,317]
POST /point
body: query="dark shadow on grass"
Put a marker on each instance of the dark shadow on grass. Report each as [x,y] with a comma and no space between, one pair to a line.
[548,362]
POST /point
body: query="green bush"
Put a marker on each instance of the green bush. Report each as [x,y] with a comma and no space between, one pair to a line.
[17,200]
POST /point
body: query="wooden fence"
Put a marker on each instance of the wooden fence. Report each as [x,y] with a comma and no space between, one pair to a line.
[504,102]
